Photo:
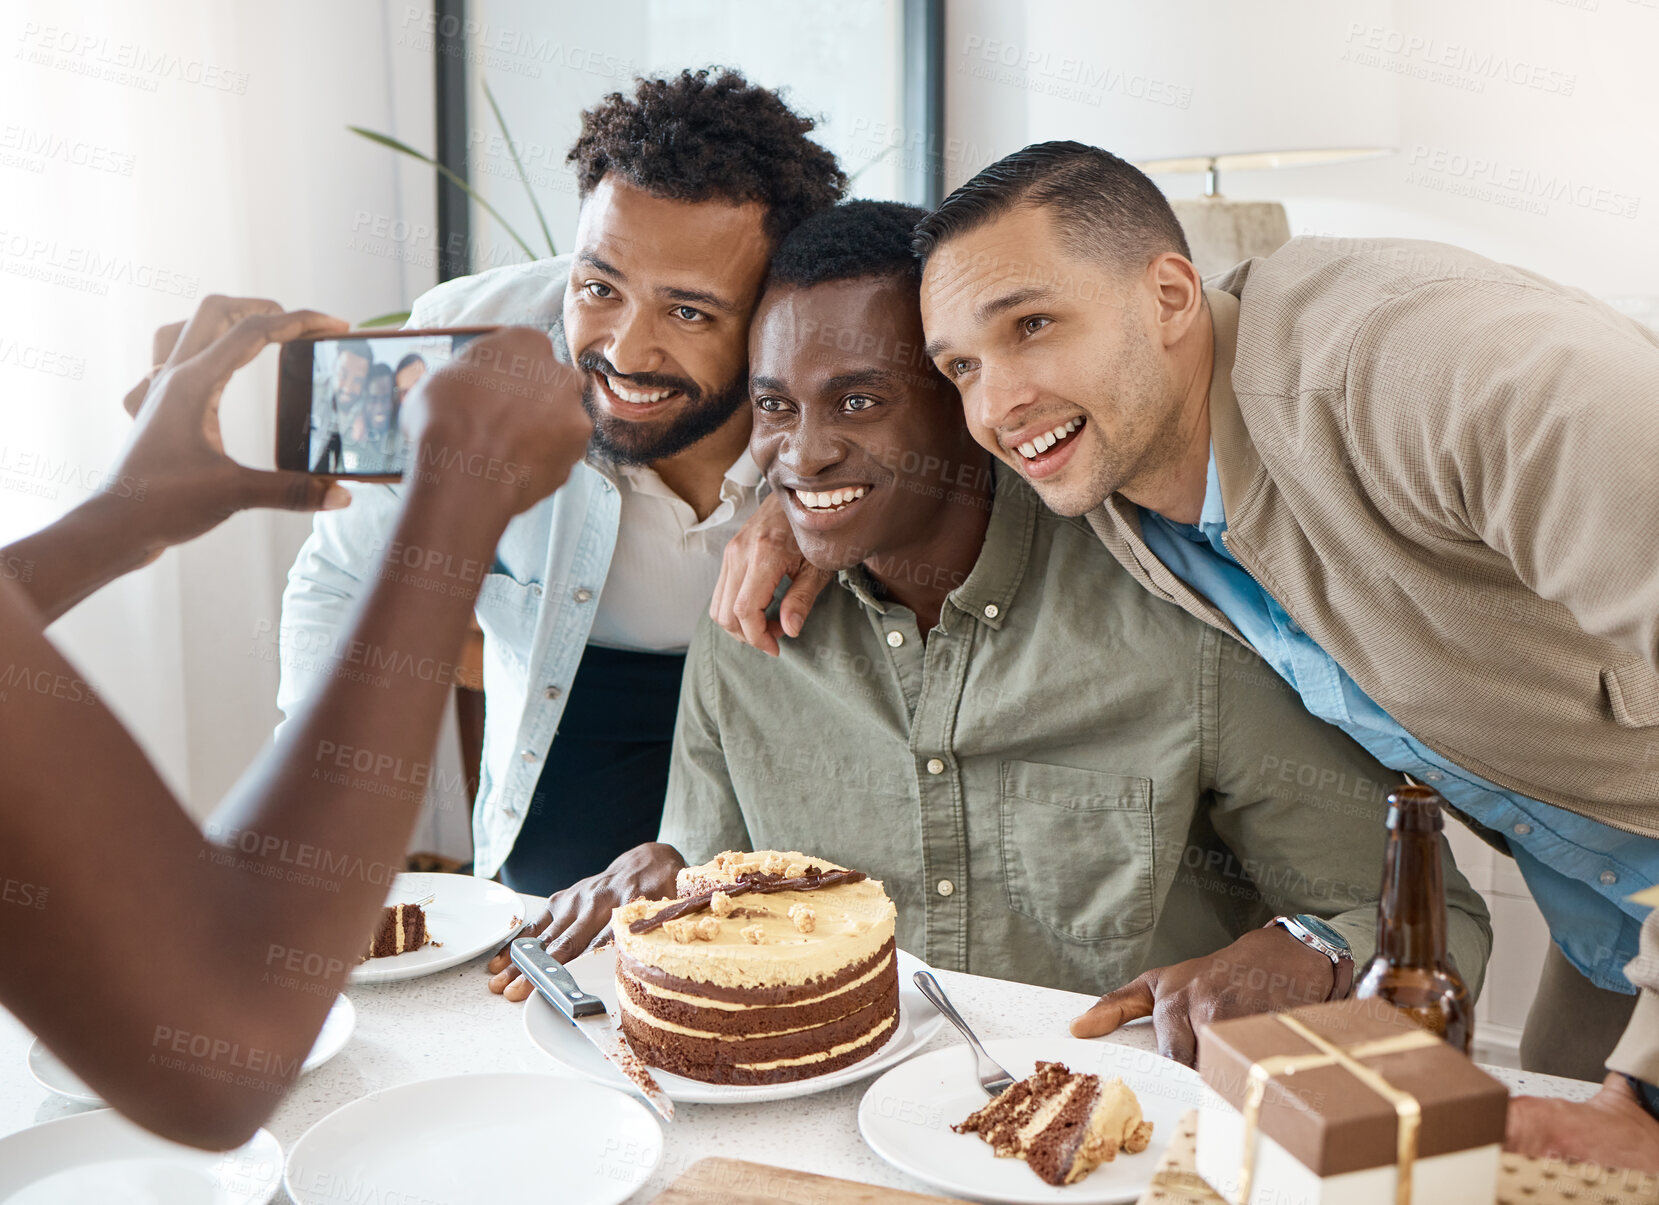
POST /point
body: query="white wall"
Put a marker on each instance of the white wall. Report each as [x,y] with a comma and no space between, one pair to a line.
[835,60]
[234,174]
[1525,130]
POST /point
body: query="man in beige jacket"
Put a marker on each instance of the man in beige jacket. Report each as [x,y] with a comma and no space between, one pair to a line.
[1422,485]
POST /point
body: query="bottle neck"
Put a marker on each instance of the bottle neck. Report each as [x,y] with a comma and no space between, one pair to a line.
[1411,916]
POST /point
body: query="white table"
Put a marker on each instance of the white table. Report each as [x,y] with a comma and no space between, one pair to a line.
[449,1024]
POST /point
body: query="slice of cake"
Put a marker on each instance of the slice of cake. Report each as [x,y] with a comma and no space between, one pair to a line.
[1063,1124]
[402,928]
[768,967]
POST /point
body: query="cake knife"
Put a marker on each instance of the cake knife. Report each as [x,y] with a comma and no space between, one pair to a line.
[587,1013]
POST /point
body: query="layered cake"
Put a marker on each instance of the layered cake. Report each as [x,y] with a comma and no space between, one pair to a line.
[402,928]
[1063,1123]
[767,967]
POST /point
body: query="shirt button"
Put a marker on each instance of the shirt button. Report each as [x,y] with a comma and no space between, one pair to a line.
[1434,776]
[581,594]
[1295,628]
[992,610]
[1608,878]
[946,887]
[894,639]
[528,755]
[1521,830]
[552,692]
[935,766]
[535,589]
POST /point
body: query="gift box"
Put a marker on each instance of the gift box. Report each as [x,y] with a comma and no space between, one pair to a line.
[1348,1103]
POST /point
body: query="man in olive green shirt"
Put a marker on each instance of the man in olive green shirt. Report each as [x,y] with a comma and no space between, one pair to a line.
[1059,778]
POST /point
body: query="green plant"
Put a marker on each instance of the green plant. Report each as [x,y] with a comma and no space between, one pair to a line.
[403,148]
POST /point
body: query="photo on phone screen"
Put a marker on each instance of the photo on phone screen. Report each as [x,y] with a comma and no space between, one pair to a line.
[356,390]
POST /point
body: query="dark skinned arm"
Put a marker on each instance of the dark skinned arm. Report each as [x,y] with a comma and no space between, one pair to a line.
[210,961]
[173,481]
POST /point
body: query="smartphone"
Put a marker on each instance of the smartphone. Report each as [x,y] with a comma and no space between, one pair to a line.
[338,399]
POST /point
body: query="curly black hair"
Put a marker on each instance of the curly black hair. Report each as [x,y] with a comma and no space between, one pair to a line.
[848,241]
[702,135]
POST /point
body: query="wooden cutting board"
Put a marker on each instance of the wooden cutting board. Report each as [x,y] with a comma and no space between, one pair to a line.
[734,1182]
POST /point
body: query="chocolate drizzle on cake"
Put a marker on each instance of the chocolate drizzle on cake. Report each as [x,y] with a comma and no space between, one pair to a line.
[814,879]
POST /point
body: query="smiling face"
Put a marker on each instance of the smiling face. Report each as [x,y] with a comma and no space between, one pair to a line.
[1061,360]
[350,371]
[854,430]
[408,376]
[379,414]
[657,316]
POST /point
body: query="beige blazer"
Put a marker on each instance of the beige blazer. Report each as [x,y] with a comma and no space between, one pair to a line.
[1447,471]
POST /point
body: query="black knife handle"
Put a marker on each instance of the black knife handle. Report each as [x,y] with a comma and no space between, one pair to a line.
[553,980]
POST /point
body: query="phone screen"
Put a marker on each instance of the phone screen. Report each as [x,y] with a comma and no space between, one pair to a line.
[358,385]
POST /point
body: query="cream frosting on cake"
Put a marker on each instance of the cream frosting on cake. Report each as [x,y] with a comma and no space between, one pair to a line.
[767,967]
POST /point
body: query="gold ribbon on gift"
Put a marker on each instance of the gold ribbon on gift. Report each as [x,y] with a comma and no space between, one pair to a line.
[1406,1108]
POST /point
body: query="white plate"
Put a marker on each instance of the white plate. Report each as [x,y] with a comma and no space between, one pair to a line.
[101,1157]
[596,972]
[481,1139]
[468,915]
[907,1114]
[51,1074]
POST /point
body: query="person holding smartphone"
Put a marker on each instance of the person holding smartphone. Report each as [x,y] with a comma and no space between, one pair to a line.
[88,821]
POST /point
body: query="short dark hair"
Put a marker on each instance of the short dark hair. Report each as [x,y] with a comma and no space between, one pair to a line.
[408,361]
[1104,206]
[354,347]
[847,242]
[709,135]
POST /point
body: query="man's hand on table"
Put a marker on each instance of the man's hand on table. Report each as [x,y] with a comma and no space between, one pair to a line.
[1611,1128]
[579,917]
[1266,970]
[756,560]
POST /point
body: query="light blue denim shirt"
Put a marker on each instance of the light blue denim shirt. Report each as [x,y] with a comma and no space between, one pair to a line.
[1580,872]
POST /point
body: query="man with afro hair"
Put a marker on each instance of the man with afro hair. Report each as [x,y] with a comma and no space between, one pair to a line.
[686,184]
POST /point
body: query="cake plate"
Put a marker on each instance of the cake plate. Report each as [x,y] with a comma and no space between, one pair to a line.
[466,917]
[596,972]
[907,1114]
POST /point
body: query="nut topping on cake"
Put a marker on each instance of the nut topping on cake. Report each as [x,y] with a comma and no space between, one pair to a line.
[765,967]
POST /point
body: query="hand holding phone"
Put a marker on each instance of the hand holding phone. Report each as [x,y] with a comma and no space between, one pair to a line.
[500,425]
[338,400]
[174,460]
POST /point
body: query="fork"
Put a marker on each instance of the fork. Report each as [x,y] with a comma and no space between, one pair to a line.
[993,1077]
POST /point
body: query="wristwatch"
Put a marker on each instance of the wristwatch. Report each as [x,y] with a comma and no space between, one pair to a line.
[1316,934]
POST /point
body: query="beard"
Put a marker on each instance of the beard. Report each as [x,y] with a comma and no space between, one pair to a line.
[625,441]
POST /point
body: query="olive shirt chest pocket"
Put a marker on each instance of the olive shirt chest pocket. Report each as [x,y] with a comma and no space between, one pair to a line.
[1077,850]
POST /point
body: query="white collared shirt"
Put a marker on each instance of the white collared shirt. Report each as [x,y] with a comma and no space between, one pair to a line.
[666,562]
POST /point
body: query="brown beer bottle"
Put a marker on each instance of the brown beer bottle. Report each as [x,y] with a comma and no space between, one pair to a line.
[1411,969]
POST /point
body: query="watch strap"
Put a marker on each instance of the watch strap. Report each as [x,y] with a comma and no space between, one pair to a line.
[1342,959]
